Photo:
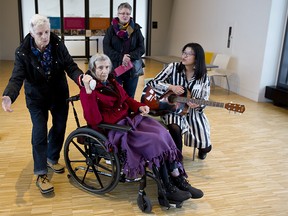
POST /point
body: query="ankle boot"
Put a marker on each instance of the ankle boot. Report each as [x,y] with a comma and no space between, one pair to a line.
[182,183]
[175,195]
[202,153]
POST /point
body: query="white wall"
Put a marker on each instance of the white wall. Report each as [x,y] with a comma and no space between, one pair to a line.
[207,22]
[9,31]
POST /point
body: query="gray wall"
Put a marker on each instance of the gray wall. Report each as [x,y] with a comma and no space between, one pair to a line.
[161,15]
[256,44]
[9,31]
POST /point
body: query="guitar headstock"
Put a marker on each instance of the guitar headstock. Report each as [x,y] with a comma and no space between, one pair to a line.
[235,107]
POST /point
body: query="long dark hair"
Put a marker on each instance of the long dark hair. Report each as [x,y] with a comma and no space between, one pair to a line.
[200,66]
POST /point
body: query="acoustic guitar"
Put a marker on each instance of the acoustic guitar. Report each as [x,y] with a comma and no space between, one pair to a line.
[170,102]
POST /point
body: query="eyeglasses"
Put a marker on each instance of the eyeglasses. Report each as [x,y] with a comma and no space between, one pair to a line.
[127,14]
[188,54]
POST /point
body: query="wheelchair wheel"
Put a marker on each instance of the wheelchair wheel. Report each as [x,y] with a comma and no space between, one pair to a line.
[89,163]
[144,203]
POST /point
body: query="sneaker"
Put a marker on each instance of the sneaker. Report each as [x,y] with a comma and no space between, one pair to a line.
[182,183]
[175,195]
[44,184]
[57,168]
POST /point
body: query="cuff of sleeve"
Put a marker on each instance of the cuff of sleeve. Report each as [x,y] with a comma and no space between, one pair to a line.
[163,86]
[80,82]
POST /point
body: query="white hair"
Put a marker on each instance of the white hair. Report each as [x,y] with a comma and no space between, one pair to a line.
[37,20]
[98,57]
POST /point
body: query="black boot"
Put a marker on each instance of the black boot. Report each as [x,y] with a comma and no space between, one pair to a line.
[184,185]
[173,194]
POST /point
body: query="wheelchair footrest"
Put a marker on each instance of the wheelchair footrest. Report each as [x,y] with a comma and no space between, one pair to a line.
[166,203]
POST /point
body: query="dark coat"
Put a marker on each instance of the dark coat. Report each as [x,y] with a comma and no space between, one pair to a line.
[39,89]
[113,45]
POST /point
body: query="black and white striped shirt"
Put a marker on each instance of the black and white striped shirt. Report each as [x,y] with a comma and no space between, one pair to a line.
[194,124]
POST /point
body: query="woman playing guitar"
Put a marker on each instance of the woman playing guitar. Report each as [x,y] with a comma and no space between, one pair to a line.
[187,78]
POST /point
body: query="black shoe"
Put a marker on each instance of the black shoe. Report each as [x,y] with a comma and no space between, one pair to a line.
[184,185]
[173,194]
[202,155]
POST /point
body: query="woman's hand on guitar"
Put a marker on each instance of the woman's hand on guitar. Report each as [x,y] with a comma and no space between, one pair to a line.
[177,89]
[192,105]
[144,109]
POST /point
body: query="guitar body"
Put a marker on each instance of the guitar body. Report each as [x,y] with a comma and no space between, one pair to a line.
[163,105]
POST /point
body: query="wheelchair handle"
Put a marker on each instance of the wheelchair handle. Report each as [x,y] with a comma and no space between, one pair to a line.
[71,100]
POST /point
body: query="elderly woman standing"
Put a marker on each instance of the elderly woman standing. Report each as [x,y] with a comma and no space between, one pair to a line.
[40,62]
[147,142]
[124,42]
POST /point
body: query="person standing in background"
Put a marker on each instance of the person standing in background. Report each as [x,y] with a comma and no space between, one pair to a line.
[40,62]
[124,42]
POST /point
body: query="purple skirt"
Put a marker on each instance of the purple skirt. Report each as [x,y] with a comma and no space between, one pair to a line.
[146,144]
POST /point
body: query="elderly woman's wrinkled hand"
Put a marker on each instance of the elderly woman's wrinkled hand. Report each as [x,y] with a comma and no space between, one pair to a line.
[86,80]
[144,110]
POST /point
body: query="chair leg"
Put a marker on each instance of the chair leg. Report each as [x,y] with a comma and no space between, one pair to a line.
[212,81]
[194,152]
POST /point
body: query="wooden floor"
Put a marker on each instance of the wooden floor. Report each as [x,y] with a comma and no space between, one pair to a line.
[245,174]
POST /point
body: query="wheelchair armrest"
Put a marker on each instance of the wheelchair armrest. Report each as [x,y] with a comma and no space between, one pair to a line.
[74,98]
[115,127]
[159,112]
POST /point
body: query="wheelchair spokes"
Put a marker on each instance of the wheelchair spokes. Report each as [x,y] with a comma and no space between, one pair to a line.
[85,157]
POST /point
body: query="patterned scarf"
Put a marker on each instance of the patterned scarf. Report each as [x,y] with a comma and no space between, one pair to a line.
[123,31]
[44,58]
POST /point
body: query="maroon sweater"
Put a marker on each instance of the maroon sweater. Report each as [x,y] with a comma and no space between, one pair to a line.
[107,104]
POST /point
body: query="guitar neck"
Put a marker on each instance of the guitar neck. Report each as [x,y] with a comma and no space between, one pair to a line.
[200,102]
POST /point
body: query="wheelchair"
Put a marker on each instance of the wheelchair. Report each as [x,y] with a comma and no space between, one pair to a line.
[97,168]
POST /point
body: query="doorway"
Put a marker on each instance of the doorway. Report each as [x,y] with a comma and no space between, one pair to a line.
[81,24]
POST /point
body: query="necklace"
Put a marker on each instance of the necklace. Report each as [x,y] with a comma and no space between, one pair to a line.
[189,74]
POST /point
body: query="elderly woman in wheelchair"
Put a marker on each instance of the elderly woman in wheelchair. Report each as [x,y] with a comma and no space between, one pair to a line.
[140,140]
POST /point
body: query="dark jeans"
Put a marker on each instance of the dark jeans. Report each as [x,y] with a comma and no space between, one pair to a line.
[129,84]
[47,147]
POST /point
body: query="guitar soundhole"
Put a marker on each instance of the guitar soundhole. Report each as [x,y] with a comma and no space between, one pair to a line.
[172,98]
